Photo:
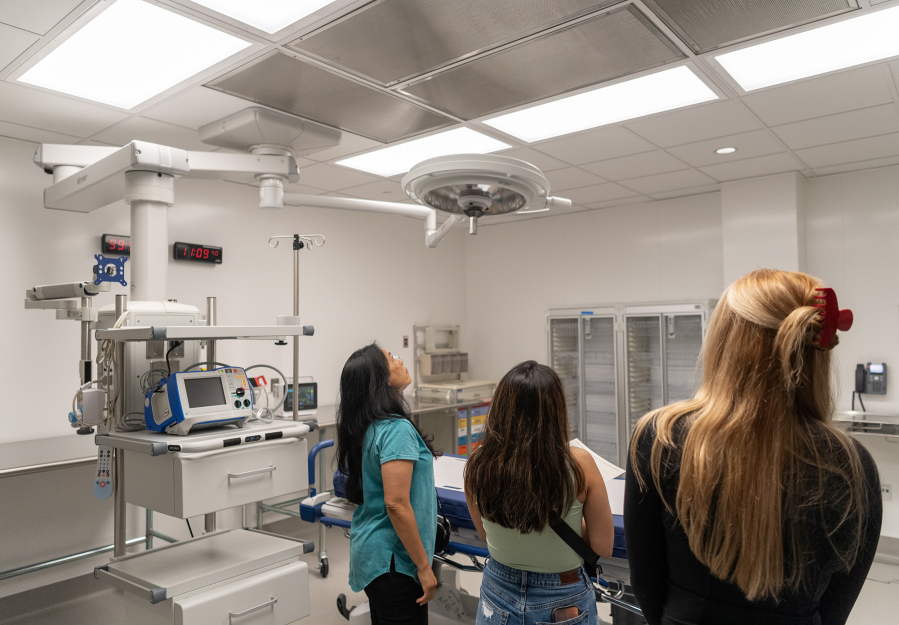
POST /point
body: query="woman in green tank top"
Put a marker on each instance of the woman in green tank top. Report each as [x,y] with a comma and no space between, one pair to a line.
[521,476]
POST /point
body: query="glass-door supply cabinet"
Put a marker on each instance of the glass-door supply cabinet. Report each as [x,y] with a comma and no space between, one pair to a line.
[618,363]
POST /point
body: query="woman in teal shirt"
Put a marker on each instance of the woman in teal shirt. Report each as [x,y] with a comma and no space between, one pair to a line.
[390,476]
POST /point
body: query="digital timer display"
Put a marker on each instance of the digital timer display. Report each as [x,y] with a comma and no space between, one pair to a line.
[196,252]
[116,244]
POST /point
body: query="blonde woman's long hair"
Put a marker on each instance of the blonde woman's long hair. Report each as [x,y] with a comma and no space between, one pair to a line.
[759,452]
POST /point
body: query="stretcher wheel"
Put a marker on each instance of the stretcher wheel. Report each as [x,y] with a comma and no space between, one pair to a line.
[324,567]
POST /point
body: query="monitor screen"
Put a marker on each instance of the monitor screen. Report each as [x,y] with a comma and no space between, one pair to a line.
[202,392]
[307,394]
[875,368]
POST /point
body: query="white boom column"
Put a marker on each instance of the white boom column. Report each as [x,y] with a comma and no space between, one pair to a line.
[150,195]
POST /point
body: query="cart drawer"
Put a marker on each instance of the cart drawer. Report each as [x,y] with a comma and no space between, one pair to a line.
[225,478]
[276,597]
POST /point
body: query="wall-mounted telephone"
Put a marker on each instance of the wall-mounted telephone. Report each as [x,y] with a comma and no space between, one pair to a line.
[871,378]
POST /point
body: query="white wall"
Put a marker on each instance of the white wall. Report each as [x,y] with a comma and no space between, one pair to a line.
[661,251]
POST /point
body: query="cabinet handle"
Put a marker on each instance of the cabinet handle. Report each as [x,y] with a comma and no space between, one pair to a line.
[253,472]
[234,615]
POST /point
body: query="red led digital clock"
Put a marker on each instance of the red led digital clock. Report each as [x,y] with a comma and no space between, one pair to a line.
[116,244]
[195,252]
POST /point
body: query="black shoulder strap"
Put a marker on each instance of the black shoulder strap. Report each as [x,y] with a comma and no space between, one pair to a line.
[573,540]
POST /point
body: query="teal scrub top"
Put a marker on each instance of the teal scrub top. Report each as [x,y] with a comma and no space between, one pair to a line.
[373,540]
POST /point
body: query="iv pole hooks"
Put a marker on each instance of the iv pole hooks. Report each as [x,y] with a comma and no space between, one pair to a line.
[312,240]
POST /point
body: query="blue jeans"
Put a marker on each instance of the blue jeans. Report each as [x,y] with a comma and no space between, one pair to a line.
[515,597]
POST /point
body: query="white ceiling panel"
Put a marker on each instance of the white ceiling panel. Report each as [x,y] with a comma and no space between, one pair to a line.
[637,199]
[748,144]
[196,107]
[383,190]
[37,16]
[302,188]
[14,42]
[850,151]
[571,178]
[753,167]
[695,124]
[349,144]
[636,165]
[837,93]
[877,120]
[543,161]
[594,145]
[653,185]
[668,195]
[34,135]
[873,164]
[41,109]
[334,177]
[143,129]
[598,193]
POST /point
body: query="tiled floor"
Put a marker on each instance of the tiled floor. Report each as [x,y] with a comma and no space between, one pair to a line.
[87,601]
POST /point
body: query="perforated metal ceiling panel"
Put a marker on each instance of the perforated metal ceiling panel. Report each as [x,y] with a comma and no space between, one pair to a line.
[708,24]
[284,83]
[594,50]
[393,40]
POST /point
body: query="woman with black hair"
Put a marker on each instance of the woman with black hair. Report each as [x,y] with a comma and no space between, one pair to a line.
[390,476]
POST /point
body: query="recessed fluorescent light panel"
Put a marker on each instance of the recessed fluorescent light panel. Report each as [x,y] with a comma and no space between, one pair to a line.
[400,158]
[269,16]
[129,53]
[662,91]
[869,37]
[725,150]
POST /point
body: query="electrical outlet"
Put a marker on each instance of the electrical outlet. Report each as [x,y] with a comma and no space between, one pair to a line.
[886,492]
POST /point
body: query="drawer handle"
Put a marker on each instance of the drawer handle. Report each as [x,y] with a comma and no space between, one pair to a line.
[253,472]
[261,606]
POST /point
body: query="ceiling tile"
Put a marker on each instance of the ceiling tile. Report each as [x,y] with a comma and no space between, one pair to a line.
[753,167]
[696,123]
[637,199]
[196,107]
[383,190]
[594,145]
[636,165]
[34,135]
[872,164]
[668,195]
[598,193]
[850,151]
[14,42]
[653,185]
[38,17]
[334,177]
[301,188]
[57,113]
[748,144]
[543,161]
[349,144]
[143,129]
[878,120]
[571,178]
[837,93]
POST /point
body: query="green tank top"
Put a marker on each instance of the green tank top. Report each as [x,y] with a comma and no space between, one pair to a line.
[538,552]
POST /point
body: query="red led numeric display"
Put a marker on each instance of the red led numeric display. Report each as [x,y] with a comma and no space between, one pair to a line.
[197,252]
[116,245]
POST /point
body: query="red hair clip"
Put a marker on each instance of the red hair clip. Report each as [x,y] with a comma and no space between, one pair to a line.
[834,318]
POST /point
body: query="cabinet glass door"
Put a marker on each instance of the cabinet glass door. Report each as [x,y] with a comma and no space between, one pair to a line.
[645,389]
[600,399]
[683,342]
[564,358]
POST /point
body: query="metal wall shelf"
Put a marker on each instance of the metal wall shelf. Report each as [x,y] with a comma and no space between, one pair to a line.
[201,333]
[868,423]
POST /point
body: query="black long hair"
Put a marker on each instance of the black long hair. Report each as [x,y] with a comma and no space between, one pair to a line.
[365,397]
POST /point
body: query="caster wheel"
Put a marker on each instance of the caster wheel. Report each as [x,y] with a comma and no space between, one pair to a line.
[341,607]
[325,568]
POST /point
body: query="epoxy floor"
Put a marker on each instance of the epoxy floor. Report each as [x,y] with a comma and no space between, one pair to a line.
[85,601]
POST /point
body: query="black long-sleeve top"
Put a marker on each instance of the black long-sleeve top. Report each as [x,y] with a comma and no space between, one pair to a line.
[674,588]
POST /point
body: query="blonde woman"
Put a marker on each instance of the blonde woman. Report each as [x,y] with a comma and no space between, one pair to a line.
[744,504]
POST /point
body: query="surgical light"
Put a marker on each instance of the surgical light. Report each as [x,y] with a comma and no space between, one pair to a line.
[129,53]
[863,39]
[400,158]
[662,91]
[725,150]
[269,16]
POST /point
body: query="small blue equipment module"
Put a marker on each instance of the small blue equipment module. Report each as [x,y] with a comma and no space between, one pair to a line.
[199,399]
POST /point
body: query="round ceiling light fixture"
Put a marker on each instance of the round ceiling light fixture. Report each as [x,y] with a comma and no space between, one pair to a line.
[479,184]
[725,150]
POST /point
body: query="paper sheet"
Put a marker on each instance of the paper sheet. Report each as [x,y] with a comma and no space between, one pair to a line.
[608,470]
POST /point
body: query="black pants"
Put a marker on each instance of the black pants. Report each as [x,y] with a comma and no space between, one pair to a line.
[391,599]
